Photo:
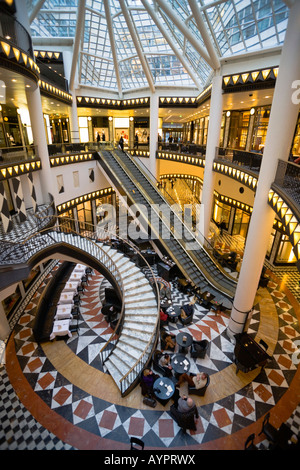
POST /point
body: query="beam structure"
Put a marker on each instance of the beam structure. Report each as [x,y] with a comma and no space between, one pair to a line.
[194,41]
[77,40]
[113,46]
[137,46]
[36,10]
[172,44]
[204,33]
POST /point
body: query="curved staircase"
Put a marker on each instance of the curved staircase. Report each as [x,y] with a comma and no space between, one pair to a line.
[127,353]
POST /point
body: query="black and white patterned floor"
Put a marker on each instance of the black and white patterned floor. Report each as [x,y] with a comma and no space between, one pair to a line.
[19,430]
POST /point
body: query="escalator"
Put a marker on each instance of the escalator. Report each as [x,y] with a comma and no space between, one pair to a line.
[196,264]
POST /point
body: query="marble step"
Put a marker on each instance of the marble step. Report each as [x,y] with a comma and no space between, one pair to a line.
[134,278]
[141,327]
[141,304]
[128,270]
[133,348]
[134,334]
[147,313]
[123,356]
[143,319]
[139,296]
[137,284]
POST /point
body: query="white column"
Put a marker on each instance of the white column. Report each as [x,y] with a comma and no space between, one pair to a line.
[213,139]
[154,108]
[73,117]
[39,138]
[283,118]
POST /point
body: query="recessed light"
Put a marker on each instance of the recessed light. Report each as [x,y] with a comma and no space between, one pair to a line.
[13,80]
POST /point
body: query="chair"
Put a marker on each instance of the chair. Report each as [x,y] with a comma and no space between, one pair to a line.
[263,344]
[163,335]
[199,348]
[156,366]
[136,444]
[189,311]
[268,429]
[199,391]
[249,445]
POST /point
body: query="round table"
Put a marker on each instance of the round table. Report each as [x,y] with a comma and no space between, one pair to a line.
[166,304]
[164,389]
[173,313]
[180,364]
[183,344]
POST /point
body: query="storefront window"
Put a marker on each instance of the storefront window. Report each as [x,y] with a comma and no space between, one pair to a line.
[239,125]
[285,253]
[66,219]
[205,130]
[85,216]
[271,241]
[296,142]
[100,213]
[260,128]
[241,223]
[221,212]
[221,143]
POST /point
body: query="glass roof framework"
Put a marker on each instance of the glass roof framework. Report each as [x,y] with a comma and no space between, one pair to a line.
[159,42]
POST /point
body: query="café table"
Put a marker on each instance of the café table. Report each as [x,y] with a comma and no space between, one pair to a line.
[164,389]
[63,311]
[79,268]
[76,276]
[180,364]
[206,298]
[184,340]
[173,313]
[71,286]
[165,304]
[61,328]
[66,297]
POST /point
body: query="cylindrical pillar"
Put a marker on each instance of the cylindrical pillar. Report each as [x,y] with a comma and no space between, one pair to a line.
[154,109]
[39,138]
[213,139]
[74,127]
[283,118]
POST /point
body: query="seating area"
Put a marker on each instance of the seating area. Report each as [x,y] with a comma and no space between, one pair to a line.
[205,325]
[281,438]
[58,311]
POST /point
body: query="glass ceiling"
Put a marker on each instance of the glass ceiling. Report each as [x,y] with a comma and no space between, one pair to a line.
[159,42]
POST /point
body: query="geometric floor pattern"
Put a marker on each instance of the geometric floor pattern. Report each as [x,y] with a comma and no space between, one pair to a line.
[115,423]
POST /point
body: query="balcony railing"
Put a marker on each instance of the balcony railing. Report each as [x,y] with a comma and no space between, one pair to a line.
[250,160]
[13,31]
[288,178]
[17,153]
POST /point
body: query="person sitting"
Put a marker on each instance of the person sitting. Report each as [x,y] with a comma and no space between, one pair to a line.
[167,340]
[147,380]
[163,317]
[187,310]
[197,381]
[165,362]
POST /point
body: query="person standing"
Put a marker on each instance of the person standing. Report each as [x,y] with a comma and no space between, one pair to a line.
[136,141]
[121,143]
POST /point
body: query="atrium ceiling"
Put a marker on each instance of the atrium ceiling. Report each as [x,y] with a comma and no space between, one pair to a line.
[125,45]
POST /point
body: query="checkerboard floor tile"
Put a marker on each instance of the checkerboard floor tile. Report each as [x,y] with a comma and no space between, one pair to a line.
[115,423]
